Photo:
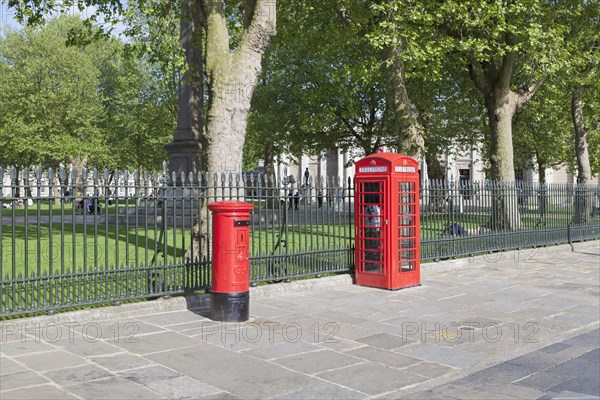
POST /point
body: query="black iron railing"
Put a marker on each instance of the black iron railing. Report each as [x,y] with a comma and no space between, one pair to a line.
[70,239]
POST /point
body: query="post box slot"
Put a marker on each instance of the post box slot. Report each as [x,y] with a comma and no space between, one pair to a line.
[241,223]
[241,241]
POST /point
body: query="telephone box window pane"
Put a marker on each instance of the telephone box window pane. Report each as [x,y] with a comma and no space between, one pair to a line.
[372,216]
[407,255]
[407,266]
[406,186]
[372,251]
[407,244]
[407,232]
[406,209]
[372,192]
[405,220]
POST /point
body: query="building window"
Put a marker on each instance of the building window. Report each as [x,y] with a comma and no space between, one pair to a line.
[464,182]
[519,174]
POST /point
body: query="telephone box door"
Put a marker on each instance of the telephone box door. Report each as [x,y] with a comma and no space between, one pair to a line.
[407,241]
[371,233]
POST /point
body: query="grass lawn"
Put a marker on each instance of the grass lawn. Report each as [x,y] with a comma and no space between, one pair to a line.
[44,207]
[84,247]
[90,247]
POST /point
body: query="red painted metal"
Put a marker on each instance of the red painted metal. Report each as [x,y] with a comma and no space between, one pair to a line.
[387,225]
[231,246]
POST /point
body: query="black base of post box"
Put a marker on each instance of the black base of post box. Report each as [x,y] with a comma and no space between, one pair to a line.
[230,307]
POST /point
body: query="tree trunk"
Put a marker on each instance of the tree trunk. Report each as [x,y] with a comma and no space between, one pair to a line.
[405,115]
[270,159]
[584,172]
[194,57]
[272,194]
[186,149]
[435,176]
[542,192]
[494,80]
[190,122]
[79,164]
[232,77]
[583,205]
[226,131]
[541,170]
[501,106]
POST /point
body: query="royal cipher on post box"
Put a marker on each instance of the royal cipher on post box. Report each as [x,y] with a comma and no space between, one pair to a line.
[386,212]
[230,291]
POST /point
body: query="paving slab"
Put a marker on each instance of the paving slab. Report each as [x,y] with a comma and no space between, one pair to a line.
[371,378]
[385,357]
[232,371]
[21,379]
[156,342]
[182,387]
[51,360]
[46,392]
[74,376]
[89,345]
[385,341]
[113,388]
[28,345]
[317,361]
[9,366]
[145,375]
[508,325]
[279,350]
[324,391]
[441,355]
[120,361]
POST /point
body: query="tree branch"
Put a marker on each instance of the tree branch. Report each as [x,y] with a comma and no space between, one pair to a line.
[217,34]
[526,92]
[506,70]
[478,75]
[347,124]
[247,8]
[261,27]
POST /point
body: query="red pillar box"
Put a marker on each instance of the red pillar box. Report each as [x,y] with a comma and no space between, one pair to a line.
[386,210]
[230,293]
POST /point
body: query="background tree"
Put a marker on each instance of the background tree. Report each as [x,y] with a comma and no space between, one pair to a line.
[50,102]
[139,114]
[542,131]
[508,49]
[88,104]
[322,86]
[232,60]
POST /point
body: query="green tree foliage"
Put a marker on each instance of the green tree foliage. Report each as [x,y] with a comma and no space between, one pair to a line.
[542,131]
[322,86]
[140,114]
[49,97]
[508,49]
[87,102]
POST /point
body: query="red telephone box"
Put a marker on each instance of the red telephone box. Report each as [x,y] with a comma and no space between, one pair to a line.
[386,212]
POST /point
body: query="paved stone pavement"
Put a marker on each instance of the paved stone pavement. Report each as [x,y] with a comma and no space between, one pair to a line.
[521,324]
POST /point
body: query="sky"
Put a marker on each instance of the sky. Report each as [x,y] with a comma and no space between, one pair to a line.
[8,17]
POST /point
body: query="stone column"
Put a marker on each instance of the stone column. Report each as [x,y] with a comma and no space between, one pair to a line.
[185,149]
